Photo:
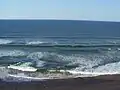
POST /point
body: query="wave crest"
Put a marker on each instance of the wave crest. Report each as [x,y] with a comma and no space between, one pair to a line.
[35,42]
[12,53]
[46,56]
[4,41]
[23,67]
[39,42]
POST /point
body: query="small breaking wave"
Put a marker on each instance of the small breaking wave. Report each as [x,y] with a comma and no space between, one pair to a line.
[109,68]
[46,56]
[35,43]
[23,67]
[25,41]
[12,53]
[40,42]
[89,74]
[23,77]
[5,41]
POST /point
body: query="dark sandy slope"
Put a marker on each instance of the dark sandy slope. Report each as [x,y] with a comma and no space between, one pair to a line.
[108,82]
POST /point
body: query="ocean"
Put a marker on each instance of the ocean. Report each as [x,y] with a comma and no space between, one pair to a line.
[44,49]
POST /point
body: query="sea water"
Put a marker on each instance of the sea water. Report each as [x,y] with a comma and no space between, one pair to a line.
[39,49]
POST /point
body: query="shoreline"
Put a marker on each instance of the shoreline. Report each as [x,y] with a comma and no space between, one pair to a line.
[105,82]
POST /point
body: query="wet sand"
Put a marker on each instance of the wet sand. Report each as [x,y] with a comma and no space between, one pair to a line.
[108,82]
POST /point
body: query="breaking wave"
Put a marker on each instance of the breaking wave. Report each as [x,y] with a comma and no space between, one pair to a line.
[23,67]
[39,42]
[12,53]
[83,59]
[108,69]
[5,41]
[35,42]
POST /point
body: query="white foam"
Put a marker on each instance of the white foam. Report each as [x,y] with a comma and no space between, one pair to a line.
[75,72]
[13,53]
[4,41]
[27,77]
[50,56]
[43,55]
[83,60]
[118,49]
[23,67]
[91,73]
[40,63]
[110,68]
[30,69]
[36,55]
[86,62]
[3,72]
[38,42]
[35,42]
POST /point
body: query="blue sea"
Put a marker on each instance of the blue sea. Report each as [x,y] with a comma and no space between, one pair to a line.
[43,49]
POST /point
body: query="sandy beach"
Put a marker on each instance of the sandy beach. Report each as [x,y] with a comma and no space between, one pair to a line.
[107,82]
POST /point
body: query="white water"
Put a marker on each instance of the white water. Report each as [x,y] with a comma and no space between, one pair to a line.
[35,42]
[11,53]
[110,68]
[47,56]
[4,41]
[85,62]
[3,72]
[23,77]
[23,67]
